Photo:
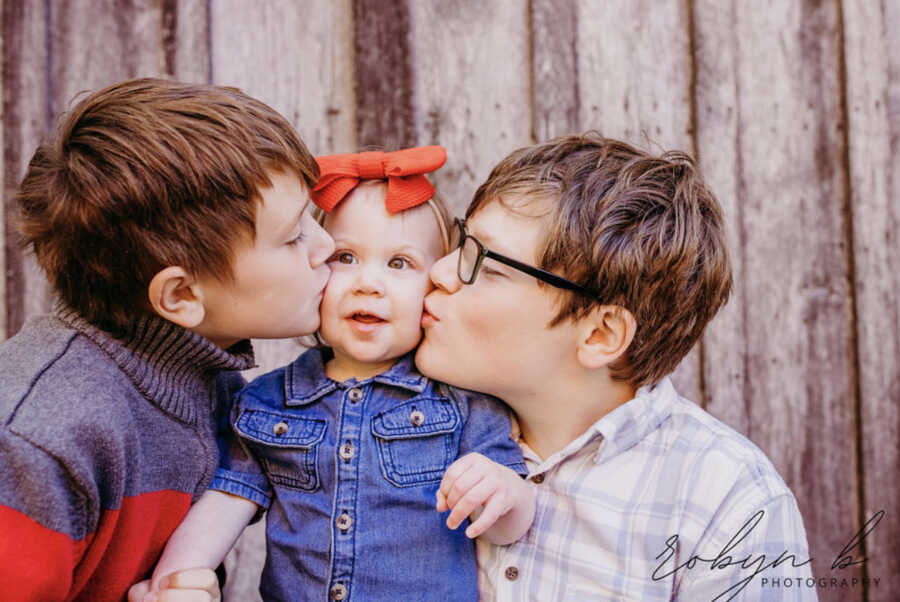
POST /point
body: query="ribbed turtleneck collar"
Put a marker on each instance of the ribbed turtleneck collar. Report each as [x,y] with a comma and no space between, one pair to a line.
[170,365]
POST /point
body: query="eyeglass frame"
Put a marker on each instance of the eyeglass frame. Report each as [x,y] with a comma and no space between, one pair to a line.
[536,272]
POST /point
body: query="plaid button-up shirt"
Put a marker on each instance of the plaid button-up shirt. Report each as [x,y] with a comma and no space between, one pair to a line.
[658,500]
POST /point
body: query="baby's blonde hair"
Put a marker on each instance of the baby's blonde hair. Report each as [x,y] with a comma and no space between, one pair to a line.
[438,206]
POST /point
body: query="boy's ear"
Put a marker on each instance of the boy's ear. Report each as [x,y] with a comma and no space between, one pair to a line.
[176,296]
[605,335]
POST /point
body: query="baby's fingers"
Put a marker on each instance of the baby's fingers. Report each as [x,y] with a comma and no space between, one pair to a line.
[456,470]
[181,595]
[191,585]
[493,510]
[467,504]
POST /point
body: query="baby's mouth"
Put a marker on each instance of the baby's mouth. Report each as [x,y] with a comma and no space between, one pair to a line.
[366,318]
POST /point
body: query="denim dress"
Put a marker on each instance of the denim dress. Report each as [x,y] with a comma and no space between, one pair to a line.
[348,473]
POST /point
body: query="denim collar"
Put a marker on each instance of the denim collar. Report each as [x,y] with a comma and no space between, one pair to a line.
[307,382]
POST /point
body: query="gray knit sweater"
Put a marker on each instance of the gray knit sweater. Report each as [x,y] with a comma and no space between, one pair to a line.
[104,442]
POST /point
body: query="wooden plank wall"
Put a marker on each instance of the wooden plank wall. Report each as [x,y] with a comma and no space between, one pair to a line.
[793,110]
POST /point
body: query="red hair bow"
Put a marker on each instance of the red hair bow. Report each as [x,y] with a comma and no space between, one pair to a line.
[407,187]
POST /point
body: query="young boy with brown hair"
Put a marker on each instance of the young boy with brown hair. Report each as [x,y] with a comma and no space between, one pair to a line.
[585,272]
[172,223]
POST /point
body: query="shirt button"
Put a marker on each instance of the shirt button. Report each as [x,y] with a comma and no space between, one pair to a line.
[355,394]
[338,591]
[512,573]
[344,521]
[280,428]
[347,451]
[538,478]
[416,418]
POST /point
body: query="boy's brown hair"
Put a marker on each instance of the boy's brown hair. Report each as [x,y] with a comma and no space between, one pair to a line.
[146,174]
[641,232]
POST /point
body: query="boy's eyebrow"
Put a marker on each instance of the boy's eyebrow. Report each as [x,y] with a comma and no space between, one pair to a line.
[490,242]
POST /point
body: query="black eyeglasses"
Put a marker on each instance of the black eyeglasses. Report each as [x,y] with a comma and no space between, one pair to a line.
[472,253]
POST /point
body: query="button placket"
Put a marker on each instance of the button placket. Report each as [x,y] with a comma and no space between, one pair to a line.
[349,447]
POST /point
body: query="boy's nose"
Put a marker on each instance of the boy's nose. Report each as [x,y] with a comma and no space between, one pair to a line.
[443,273]
[322,245]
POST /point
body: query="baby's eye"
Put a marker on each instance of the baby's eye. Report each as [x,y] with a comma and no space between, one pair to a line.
[398,263]
[343,257]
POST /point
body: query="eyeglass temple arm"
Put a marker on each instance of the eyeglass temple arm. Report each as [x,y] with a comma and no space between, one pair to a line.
[538,273]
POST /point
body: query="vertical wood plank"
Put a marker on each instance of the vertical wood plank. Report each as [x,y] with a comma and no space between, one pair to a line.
[3,190]
[95,43]
[634,66]
[383,74]
[872,70]
[554,67]
[186,41]
[634,72]
[301,66]
[55,50]
[298,58]
[786,168]
[25,121]
[472,87]
[724,349]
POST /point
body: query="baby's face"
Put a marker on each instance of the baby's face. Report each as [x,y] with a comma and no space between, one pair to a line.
[372,308]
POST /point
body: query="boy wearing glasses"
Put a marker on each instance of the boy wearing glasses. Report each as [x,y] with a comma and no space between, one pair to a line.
[586,270]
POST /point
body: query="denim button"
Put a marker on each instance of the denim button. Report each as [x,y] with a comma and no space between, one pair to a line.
[347,451]
[355,394]
[538,478]
[344,521]
[338,591]
[416,418]
[512,573]
[280,428]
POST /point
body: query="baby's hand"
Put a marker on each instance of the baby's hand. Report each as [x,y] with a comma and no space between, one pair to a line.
[474,481]
[192,585]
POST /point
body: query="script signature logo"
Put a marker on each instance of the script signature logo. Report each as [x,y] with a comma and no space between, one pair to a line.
[757,563]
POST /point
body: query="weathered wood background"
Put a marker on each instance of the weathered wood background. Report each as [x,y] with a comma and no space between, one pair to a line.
[792,106]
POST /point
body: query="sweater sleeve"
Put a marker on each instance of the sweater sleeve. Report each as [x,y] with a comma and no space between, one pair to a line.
[42,519]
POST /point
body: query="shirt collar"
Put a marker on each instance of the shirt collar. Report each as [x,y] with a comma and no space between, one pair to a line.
[307,382]
[618,430]
[171,366]
[635,419]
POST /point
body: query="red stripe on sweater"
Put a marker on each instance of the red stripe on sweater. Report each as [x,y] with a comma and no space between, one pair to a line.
[47,565]
[36,563]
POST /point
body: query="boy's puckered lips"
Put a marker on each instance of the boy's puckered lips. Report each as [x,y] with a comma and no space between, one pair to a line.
[428,317]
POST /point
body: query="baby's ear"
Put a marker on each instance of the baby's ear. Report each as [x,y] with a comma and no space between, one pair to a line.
[604,335]
[177,296]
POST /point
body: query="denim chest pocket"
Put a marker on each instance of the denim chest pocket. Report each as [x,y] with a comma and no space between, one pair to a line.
[417,440]
[286,445]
